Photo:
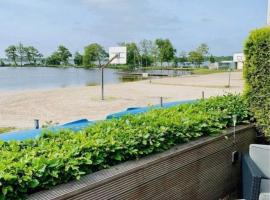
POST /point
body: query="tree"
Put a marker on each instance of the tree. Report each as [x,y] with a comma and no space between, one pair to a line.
[166,50]
[199,55]
[145,47]
[175,61]
[78,59]
[93,53]
[11,53]
[54,59]
[204,50]
[64,54]
[21,53]
[2,63]
[154,52]
[182,57]
[32,54]
[133,54]
[195,57]
[257,79]
[212,59]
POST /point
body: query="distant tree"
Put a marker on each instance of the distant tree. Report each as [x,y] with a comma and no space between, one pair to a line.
[195,57]
[133,54]
[11,53]
[93,53]
[166,50]
[145,47]
[2,63]
[204,50]
[199,55]
[54,59]
[78,59]
[182,58]
[212,59]
[32,54]
[175,61]
[154,53]
[21,50]
[64,54]
[223,58]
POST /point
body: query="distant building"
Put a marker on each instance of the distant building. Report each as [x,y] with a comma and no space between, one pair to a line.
[239,59]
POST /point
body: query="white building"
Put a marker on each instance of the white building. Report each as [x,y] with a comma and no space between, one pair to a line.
[239,59]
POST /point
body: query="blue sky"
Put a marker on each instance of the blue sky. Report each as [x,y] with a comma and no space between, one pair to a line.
[223,24]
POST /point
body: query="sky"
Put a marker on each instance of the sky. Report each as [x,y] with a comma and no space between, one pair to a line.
[45,24]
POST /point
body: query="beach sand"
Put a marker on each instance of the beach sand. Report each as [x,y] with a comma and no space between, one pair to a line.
[19,109]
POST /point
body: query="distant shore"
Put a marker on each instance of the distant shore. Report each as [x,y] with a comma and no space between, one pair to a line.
[19,108]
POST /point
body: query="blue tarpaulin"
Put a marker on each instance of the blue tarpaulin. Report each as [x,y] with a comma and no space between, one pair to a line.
[33,133]
[138,110]
[80,124]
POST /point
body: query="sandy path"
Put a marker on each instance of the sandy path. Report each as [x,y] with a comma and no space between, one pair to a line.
[18,109]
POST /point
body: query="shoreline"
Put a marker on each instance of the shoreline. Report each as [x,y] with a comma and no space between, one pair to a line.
[19,108]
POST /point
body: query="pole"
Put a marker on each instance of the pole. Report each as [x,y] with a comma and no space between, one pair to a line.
[102,74]
[229,83]
[36,123]
[161,101]
[102,83]
[202,95]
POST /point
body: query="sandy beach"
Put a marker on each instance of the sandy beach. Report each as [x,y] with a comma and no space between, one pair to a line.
[19,109]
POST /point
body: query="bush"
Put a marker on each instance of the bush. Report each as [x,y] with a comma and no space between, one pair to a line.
[257,77]
[54,158]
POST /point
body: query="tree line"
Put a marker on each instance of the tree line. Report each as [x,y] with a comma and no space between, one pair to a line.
[143,54]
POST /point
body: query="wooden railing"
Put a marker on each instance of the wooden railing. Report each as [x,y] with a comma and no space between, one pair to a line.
[200,169]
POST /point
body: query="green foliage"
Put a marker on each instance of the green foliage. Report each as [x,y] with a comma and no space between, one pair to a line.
[93,53]
[257,76]
[146,50]
[182,58]
[11,53]
[165,49]
[195,57]
[212,59]
[6,129]
[199,55]
[64,54]
[203,49]
[2,63]
[133,54]
[222,58]
[78,59]
[23,53]
[32,54]
[53,60]
[55,158]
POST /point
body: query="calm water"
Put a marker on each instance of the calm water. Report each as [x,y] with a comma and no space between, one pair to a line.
[23,78]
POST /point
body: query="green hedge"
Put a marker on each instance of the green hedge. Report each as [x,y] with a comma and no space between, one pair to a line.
[257,76]
[29,166]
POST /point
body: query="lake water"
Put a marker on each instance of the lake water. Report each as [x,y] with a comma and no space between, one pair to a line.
[24,78]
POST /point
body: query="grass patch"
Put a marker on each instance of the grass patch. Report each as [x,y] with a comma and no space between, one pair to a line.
[202,71]
[6,129]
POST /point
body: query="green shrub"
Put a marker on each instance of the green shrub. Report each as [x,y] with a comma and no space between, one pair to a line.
[54,158]
[257,77]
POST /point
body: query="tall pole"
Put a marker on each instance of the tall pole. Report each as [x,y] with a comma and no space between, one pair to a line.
[102,74]
[268,13]
[102,83]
